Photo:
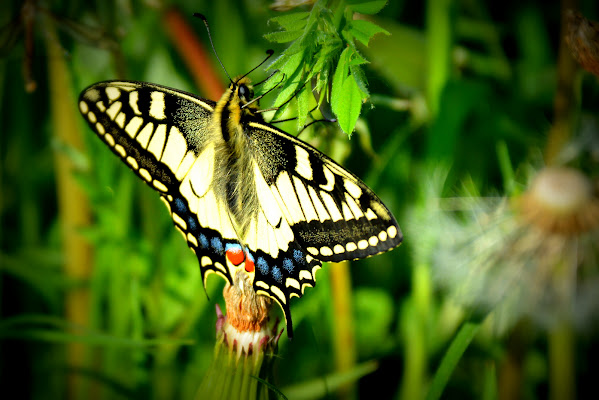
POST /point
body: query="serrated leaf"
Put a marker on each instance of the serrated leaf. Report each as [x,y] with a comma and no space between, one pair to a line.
[358,75]
[339,77]
[346,97]
[287,63]
[303,102]
[292,22]
[283,36]
[366,7]
[364,30]
[348,106]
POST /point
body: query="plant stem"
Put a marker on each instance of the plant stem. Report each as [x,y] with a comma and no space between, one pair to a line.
[73,205]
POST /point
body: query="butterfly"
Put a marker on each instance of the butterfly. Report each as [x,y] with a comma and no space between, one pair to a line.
[248,197]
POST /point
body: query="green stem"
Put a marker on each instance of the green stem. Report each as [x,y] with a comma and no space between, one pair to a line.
[451,358]
[561,362]
[439,46]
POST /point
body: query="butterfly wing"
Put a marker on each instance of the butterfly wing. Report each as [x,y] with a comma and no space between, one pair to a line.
[161,134]
[317,211]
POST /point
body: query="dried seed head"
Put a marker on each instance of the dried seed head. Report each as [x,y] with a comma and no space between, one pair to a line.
[560,200]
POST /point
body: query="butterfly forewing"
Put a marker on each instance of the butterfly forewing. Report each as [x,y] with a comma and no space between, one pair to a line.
[333,214]
[158,133]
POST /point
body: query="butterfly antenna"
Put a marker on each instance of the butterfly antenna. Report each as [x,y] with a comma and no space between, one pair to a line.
[269,53]
[264,94]
[203,18]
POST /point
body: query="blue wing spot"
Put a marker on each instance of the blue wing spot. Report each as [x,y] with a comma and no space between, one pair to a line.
[288,264]
[191,224]
[262,266]
[299,257]
[230,246]
[180,206]
[276,273]
[217,245]
[203,240]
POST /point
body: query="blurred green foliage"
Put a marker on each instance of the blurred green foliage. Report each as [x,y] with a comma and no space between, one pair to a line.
[151,326]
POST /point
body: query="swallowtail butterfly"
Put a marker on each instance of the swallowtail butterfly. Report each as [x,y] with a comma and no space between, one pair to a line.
[247,197]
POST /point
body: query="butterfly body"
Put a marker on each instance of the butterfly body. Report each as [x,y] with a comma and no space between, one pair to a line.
[248,198]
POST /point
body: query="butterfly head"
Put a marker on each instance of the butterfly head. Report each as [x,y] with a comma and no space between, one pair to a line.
[243,91]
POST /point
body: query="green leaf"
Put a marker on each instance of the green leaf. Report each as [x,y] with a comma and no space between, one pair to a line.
[366,7]
[340,75]
[358,75]
[364,30]
[283,36]
[292,22]
[454,353]
[303,104]
[346,97]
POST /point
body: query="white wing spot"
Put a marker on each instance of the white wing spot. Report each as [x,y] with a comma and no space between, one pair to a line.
[373,241]
[262,284]
[157,105]
[160,186]
[112,93]
[278,293]
[312,250]
[100,129]
[121,150]
[192,239]
[133,126]
[83,107]
[109,139]
[145,174]
[347,214]
[133,97]
[351,246]
[392,231]
[304,199]
[114,109]
[156,145]
[322,212]
[285,188]
[144,136]
[330,177]
[220,266]
[352,188]
[205,261]
[175,150]
[178,220]
[120,120]
[290,282]
[338,249]
[326,251]
[383,236]
[305,275]
[132,162]
[370,214]
[303,167]
[331,206]
[362,244]
[101,106]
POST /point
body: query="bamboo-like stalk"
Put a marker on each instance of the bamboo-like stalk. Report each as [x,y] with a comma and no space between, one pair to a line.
[344,344]
[73,206]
